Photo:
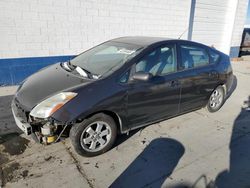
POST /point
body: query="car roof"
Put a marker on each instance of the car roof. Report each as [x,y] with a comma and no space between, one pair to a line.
[145,41]
[141,40]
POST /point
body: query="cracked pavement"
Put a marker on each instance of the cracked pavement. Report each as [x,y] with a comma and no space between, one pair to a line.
[190,150]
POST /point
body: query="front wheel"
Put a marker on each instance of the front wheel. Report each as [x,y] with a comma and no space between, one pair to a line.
[94,135]
[216,99]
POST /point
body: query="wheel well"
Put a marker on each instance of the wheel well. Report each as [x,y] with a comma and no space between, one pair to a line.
[115,117]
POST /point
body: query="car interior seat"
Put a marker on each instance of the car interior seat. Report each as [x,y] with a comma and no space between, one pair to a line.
[187,59]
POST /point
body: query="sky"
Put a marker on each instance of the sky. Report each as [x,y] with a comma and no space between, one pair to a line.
[248,14]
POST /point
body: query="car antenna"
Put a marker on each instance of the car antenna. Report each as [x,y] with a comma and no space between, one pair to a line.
[182,33]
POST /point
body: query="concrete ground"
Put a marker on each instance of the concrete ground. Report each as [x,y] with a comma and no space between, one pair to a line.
[190,150]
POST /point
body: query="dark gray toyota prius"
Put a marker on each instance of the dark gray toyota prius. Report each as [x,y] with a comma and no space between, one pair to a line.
[120,85]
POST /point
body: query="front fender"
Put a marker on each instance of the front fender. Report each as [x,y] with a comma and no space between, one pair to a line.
[91,100]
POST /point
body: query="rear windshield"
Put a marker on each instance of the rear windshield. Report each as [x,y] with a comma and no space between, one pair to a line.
[106,57]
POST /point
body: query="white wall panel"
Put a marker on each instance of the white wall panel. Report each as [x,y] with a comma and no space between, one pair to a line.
[33,28]
[219,22]
[239,22]
[66,27]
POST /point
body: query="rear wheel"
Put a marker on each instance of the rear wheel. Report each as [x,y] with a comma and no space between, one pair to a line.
[216,100]
[94,135]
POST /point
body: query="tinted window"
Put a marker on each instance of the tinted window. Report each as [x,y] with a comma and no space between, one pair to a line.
[159,62]
[214,56]
[193,56]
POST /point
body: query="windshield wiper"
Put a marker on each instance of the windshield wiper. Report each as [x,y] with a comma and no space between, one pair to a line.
[66,66]
[83,72]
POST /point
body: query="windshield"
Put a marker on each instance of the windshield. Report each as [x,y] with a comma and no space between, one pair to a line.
[105,57]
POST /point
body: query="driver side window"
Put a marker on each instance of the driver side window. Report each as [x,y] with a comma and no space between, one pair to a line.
[159,62]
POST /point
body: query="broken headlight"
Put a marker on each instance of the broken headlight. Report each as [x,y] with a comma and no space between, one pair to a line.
[47,107]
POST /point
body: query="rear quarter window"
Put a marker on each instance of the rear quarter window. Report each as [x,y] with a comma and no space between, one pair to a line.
[215,56]
[193,56]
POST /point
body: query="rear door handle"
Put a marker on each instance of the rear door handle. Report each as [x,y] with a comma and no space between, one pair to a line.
[174,83]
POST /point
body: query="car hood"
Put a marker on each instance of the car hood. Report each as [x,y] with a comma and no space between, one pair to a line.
[44,84]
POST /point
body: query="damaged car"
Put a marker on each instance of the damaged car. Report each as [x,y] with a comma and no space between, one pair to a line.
[120,85]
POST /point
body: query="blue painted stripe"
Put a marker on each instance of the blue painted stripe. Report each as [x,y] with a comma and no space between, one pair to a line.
[234,51]
[15,70]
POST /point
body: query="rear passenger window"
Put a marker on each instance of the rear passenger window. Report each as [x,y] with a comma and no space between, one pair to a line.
[214,56]
[193,56]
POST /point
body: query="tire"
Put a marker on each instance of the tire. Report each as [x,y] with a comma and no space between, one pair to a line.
[88,140]
[216,99]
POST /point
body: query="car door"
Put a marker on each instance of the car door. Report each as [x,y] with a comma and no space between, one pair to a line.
[198,77]
[158,97]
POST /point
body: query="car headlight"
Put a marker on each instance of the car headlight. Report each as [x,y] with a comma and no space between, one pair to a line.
[47,107]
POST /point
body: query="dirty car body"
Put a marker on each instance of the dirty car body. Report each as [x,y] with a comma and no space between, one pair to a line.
[146,80]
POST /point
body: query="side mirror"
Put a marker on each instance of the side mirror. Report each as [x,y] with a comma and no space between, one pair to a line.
[142,76]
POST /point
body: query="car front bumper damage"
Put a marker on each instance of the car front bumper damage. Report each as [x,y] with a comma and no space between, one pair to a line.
[42,130]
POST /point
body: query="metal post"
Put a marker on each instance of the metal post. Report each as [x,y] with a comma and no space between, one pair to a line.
[191,19]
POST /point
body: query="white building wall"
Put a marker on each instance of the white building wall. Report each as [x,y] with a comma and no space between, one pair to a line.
[33,28]
[239,22]
[210,22]
[219,23]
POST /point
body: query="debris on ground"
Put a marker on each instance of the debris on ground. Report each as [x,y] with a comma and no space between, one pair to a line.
[25,173]
[96,165]
[7,173]
[48,158]
[144,141]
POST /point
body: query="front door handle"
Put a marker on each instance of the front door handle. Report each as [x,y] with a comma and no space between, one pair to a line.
[213,74]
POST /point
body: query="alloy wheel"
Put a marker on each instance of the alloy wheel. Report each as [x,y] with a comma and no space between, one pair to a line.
[95,136]
[216,99]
